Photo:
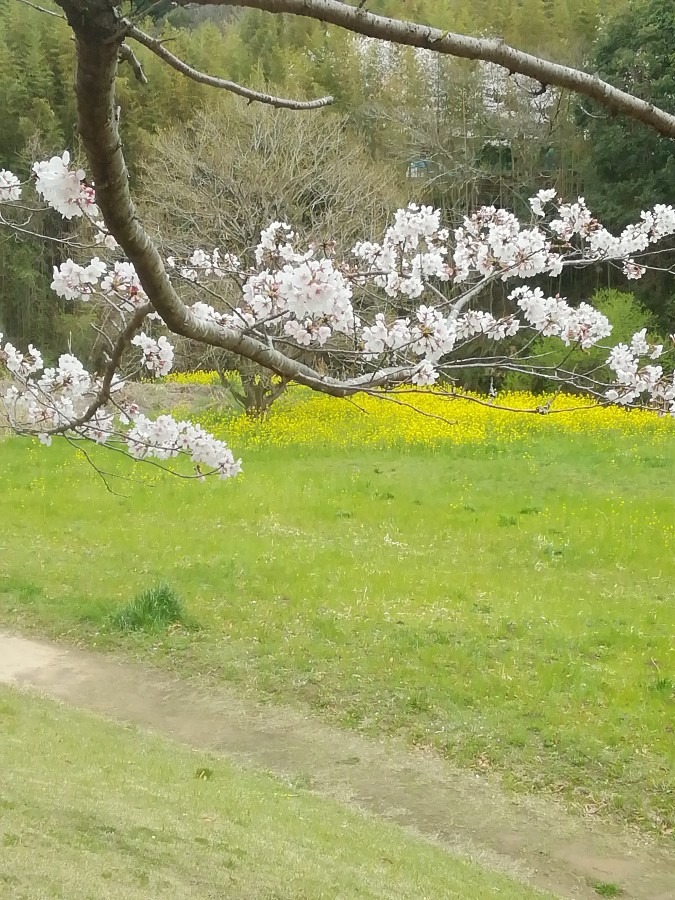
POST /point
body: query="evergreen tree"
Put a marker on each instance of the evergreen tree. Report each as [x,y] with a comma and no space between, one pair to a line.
[629,167]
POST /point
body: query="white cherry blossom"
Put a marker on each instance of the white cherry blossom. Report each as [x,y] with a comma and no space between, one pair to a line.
[64,189]
[75,282]
[10,186]
[541,198]
[123,282]
[157,354]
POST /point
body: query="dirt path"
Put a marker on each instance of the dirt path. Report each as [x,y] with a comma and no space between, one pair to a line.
[531,839]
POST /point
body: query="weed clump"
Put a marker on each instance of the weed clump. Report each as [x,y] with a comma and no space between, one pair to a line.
[155,609]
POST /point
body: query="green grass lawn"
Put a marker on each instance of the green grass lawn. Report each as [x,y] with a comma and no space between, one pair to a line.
[97,811]
[511,606]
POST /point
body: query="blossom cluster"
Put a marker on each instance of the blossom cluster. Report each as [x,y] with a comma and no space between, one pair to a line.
[413,250]
[43,401]
[64,189]
[492,242]
[66,397]
[575,219]
[10,187]
[118,282]
[635,380]
[202,264]
[74,282]
[552,316]
[20,364]
[165,438]
[157,354]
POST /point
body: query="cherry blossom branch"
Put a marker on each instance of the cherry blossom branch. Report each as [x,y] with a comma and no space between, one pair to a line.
[98,127]
[115,448]
[492,50]
[304,298]
[103,396]
[252,96]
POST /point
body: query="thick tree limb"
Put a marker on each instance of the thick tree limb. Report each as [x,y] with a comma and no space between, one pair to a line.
[252,96]
[491,50]
[100,32]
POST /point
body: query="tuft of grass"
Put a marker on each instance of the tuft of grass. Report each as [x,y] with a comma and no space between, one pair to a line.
[98,810]
[506,521]
[155,609]
[607,889]
[665,686]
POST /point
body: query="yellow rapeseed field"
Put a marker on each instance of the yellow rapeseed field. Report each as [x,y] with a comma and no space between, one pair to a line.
[196,377]
[426,418]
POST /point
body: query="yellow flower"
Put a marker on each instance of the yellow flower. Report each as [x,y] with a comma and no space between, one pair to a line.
[199,377]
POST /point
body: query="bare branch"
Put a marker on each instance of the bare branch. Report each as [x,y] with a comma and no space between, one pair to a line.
[128,55]
[48,12]
[491,50]
[252,96]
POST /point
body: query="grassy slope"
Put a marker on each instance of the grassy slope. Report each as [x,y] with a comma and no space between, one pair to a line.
[511,606]
[96,811]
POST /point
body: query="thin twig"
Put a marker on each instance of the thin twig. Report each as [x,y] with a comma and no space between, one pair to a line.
[101,474]
[384,395]
[41,9]
[252,96]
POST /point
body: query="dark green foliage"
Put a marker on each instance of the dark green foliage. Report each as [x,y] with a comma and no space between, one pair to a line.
[630,167]
[38,110]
